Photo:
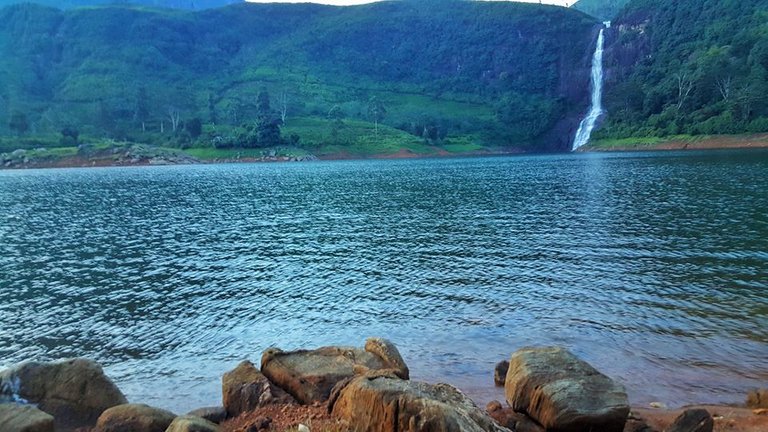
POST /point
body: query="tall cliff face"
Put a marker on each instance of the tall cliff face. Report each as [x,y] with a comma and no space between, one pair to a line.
[501,73]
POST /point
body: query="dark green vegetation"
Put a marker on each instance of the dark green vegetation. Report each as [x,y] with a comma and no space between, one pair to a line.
[417,77]
[687,67]
[170,4]
[606,10]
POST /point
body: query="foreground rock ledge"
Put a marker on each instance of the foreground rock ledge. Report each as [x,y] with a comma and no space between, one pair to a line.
[376,403]
[245,389]
[75,392]
[134,418]
[563,393]
[309,376]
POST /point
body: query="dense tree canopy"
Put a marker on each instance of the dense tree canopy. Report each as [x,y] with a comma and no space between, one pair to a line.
[688,67]
[127,72]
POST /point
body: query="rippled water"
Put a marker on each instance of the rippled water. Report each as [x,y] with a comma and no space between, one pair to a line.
[654,267]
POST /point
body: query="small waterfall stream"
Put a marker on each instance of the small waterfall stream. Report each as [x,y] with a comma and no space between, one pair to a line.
[596,108]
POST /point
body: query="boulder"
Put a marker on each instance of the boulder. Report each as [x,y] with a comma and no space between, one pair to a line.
[757,399]
[382,402]
[245,389]
[388,352]
[500,373]
[309,376]
[192,424]
[212,414]
[24,418]
[75,392]
[693,420]
[563,393]
[134,418]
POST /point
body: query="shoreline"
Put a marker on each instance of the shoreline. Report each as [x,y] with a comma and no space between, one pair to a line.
[344,388]
[714,142]
[168,157]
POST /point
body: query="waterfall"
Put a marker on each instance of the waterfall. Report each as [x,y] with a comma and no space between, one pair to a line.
[596,108]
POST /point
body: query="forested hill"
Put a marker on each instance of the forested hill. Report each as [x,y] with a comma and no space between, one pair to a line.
[687,67]
[448,73]
[169,4]
[606,10]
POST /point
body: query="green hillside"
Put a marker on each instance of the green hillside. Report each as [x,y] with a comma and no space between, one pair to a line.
[605,10]
[169,4]
[687,67]
[487,74]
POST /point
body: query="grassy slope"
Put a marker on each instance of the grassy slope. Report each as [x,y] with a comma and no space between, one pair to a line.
[447,68]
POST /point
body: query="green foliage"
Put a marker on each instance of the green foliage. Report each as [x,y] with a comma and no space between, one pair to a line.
[19,123]
[688,67]
[606,10]
[435,72]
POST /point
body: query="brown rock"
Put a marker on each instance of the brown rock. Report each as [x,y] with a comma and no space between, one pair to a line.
[191,424]
[693,420]
[24,418]
[388,352]
[515,421]
[245,388]
[212,414]
[493,406]
[636,424]
[75,392]
[309,376]
[389,404]
[563,393]
[500,373]
[757,398]
[134,418]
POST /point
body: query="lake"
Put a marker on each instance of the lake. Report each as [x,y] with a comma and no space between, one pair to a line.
[651,266]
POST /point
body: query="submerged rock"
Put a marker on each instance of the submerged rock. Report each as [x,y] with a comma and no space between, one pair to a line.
[382,402]
[245,389]
[563,393]
[500,373]
[191,424]
[134,418]
[693,420]
[75,392]
[24,418]
[309,376]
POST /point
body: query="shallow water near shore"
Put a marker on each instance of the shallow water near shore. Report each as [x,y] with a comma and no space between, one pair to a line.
[651,266]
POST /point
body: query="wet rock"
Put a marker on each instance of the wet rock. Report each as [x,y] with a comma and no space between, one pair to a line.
[693,420]
[563,393]
[757,398]
[245,389]
[75,392]
[134,418]
[309,376]
[212,414]
[191,424]
[384,402]
[500,373]
[24,418]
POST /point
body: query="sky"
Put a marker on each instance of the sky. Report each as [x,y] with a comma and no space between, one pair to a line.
[354,2]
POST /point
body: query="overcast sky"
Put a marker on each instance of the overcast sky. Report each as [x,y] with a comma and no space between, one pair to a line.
[354,2]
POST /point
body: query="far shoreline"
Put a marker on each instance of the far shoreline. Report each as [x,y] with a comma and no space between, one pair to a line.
[683,143]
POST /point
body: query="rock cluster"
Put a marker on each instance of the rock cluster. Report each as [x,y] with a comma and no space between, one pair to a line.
[369,389]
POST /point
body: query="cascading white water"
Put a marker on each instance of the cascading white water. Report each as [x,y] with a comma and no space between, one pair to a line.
[596,109]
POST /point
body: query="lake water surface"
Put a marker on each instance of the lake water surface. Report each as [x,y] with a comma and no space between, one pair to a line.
[651,266]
